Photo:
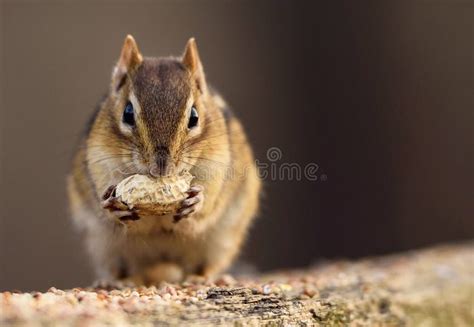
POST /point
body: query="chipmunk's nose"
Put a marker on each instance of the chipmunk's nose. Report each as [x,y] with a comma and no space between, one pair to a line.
[161,166]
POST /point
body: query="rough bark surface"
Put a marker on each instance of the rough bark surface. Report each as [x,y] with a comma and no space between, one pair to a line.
[433,287]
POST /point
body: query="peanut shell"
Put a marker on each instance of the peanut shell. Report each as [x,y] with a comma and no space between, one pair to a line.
[154,196]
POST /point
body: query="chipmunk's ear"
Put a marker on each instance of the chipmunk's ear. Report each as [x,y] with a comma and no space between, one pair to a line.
[192,62]
[130,58]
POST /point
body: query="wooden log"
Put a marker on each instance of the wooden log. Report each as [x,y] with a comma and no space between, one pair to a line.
[432,287]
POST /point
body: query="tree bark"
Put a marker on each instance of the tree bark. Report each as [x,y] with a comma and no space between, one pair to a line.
[432,287]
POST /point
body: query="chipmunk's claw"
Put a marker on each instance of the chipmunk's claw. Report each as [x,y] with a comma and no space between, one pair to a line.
[110,191]
[191,204]
[117,208]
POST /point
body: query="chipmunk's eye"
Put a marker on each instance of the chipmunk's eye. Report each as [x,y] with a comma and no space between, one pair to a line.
[193,118]
[128,114]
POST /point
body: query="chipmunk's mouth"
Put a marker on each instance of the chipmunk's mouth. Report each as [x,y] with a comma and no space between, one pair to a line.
[158,169]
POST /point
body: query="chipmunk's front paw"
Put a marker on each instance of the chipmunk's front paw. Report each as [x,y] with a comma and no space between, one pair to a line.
[192,204]
[117,208]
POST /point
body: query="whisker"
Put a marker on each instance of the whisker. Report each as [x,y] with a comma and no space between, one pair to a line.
[114,156]
[206,146]
[210,160]
[108,145]
[125,169]
[199,140]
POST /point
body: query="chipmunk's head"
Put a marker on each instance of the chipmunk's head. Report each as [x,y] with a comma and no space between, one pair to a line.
[157,109]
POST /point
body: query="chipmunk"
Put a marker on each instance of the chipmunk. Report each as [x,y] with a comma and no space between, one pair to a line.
[158,118]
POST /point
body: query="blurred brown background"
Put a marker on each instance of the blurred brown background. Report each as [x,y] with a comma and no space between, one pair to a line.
[379,94]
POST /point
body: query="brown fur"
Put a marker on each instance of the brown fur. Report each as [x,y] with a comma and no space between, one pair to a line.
[217,153]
